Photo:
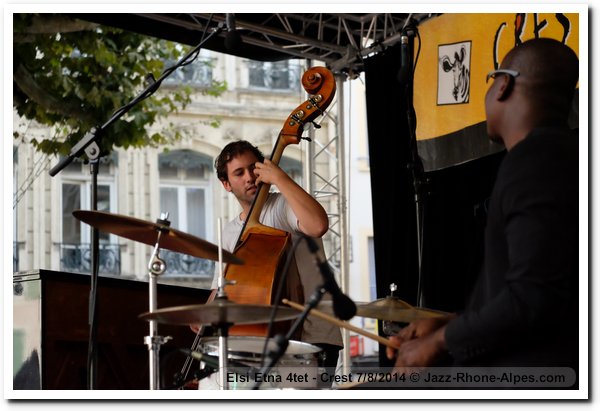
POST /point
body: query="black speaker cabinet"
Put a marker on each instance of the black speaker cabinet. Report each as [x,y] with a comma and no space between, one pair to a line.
[51,331]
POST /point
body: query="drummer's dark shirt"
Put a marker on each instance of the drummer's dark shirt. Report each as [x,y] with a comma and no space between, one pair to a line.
[524,308]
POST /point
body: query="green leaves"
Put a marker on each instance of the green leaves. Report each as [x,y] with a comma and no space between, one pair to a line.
[81,75]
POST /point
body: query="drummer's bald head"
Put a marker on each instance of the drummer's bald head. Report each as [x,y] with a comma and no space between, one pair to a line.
[549,71]
[232,150]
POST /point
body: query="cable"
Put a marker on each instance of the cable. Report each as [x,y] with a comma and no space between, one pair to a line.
[39,165]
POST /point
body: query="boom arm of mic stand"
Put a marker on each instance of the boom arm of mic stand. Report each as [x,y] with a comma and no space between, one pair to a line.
[282,342]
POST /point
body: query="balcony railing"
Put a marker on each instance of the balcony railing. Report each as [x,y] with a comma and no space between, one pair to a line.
[15,256]
[77,258]
[185,265]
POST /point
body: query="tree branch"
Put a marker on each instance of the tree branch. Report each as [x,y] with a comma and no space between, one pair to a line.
[29,86]
[49,24]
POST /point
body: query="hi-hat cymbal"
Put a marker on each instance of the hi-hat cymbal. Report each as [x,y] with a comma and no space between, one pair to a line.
[219,312]
[394,309]
[146,232]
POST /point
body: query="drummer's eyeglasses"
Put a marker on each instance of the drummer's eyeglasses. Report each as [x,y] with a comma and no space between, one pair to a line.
[494,73]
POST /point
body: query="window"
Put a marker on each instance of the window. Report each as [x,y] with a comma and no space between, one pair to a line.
[372,276]
[185,178]
[75,248]
[279,75]
[198,73]
[15,200]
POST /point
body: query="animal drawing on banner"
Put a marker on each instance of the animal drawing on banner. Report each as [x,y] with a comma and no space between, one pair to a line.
[454,73]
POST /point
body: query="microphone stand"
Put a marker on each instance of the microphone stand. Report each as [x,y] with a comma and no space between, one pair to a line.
[94,158]
[415,165]
[282,342]
[89,145]
[222,327]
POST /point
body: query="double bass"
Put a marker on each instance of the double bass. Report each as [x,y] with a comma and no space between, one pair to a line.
[265,249]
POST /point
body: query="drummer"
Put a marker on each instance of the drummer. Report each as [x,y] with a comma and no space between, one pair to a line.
[241,167]
[524,308]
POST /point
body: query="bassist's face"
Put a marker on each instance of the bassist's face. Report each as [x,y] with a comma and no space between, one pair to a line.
[241,179]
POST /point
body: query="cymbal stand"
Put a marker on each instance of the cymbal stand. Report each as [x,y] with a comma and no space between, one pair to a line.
[156,267]
[222,328]
[222,332]
[389,327]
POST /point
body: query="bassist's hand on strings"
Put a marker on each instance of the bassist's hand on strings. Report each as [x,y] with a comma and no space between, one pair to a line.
[312,217]
[269,173]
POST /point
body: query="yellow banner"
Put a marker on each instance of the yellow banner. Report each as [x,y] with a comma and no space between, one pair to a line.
[457,52]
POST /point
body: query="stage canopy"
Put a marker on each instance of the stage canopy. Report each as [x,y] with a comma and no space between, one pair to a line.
[340,40]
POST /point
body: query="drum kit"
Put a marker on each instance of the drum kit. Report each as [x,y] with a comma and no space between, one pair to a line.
[222,313]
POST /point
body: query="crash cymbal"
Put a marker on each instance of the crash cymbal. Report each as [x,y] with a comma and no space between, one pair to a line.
[146,232]
[394,309]
[218,312]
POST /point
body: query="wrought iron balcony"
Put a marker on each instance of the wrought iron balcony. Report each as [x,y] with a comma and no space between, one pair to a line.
[185,265]
[77,258]
[16,256]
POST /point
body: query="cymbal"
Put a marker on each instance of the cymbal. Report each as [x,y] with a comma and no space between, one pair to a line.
[326,306]
[218,312]
[146,232]
[394,309]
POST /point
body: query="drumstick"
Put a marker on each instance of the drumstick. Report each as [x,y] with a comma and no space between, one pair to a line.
[342,324]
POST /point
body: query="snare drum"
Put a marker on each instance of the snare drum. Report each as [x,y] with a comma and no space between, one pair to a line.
[296,369]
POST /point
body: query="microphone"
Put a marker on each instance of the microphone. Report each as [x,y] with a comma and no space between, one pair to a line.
[405,68]
[212,362]
[343,307]
[230,21]
[233,40]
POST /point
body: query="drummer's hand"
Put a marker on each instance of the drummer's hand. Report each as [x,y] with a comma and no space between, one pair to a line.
[421,351]
[416,329]
[391,352]
[423,327]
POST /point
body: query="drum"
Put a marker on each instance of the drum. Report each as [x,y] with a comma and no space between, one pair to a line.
[297,368]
